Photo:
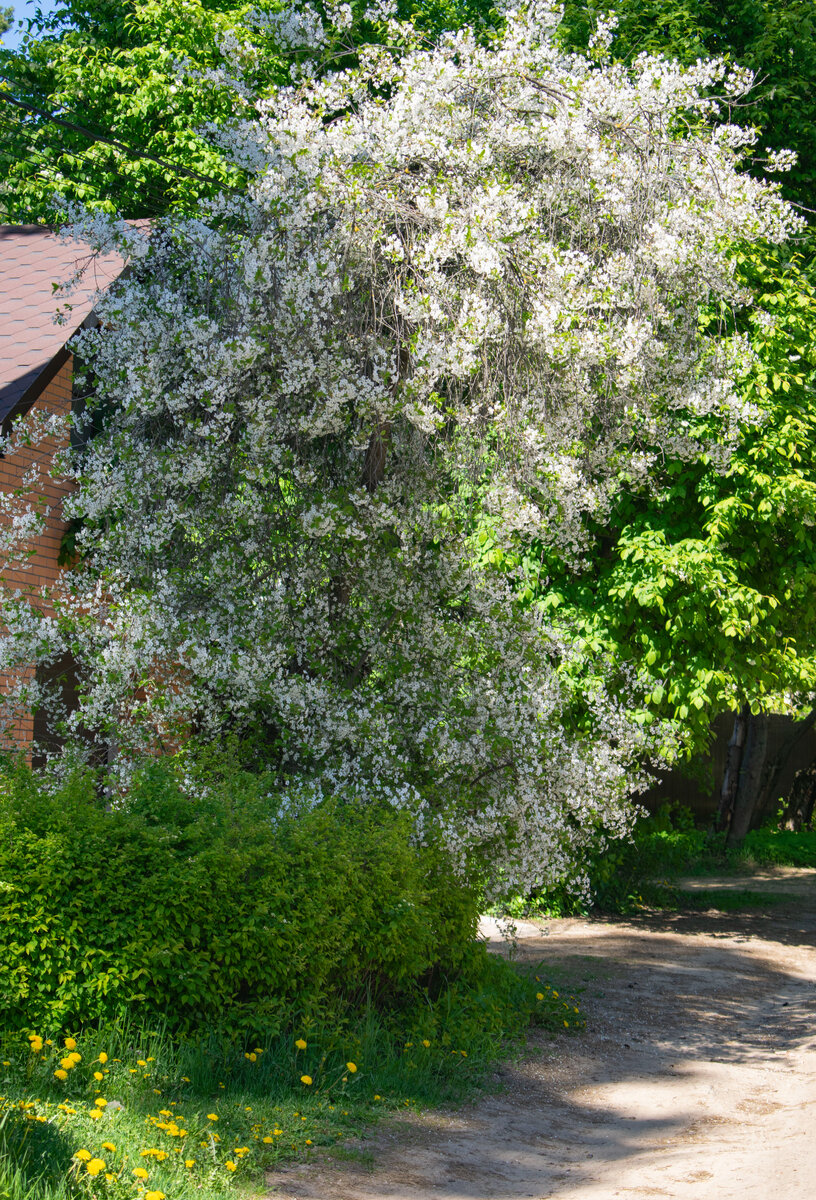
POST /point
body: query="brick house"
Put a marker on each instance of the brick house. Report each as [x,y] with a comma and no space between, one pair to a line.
[36,376]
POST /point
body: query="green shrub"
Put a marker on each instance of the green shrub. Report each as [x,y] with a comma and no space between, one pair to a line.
[232,910]
[779,847]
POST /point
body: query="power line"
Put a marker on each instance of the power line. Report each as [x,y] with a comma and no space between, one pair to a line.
[108,139]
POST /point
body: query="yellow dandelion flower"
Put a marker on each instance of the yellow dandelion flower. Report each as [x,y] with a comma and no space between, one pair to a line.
[307,1079]
[230,1165]
[60,1074]
[539,995]
[141,1062]
[70,1044]
[269,1140]
[212,1116]
[252,1057]
[95,1114]
[67,1064]
[110,1178]
[36,1045]
[103,1058]
[301,1045]
[98,1076]
[376,1097]
[108,1146]
[83,1155]
[96,1166]
[154,1196]
[185,1079]
[277,1132]
[351,1067]
[140,1172]
[74,1057]
[425,1043]
[308,1141]
[567,1024]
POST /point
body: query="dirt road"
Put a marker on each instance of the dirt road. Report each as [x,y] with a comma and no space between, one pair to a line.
[696,1079]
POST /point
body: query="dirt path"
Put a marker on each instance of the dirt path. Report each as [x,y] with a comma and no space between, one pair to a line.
[695,1080]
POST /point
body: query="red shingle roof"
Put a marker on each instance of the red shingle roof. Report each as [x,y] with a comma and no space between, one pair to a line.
[31,260]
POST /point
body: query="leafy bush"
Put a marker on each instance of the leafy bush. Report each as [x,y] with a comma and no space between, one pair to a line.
[779,847]
[234,910]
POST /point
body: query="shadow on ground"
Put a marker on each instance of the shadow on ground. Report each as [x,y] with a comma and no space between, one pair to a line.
[696,1077]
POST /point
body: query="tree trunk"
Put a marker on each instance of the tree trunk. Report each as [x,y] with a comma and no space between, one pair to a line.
[752,777]
[733,763]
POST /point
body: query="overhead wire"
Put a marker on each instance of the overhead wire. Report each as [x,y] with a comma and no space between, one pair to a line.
[108,138]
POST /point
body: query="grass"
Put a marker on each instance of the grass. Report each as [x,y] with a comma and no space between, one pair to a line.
[140,1116]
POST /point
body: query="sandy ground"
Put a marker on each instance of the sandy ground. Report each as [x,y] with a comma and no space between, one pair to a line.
[696,1078]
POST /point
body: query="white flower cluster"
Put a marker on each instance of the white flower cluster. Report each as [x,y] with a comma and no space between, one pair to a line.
[467,279]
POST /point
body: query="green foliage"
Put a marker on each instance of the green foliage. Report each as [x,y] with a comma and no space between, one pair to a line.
[779,847]
[198,1115]
[704,585]
[109,69]
[232,909]
[775,38]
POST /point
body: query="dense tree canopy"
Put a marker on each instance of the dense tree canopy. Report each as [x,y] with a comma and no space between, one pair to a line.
[133,88]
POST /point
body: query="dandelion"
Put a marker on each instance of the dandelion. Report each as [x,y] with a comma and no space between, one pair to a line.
[70,1043]
[566,1023]
[74,1057]
[301,1045]
[376,1097]
[140,1172]
[103,1058]
[212,1116]
[277,1132]
[98,1076]
[67,1064]
[154,1196]
[95,1167]
[252,1057]
[307,1079]
[352,1067]
[60,1074]
[141,1062]
[108,1146]
[308,1141]
[189,1162]
[95,1114]
[268,1140]
[110,1178]
[539,995]
[230,1165]
[36,1045]
[83,1155]
[185,1079]
[425,1043]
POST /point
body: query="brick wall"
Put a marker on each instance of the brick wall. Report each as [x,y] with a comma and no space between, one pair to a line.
[42,567]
